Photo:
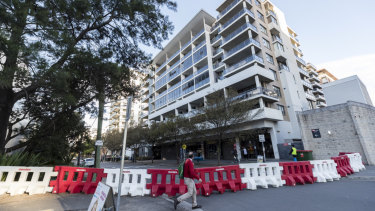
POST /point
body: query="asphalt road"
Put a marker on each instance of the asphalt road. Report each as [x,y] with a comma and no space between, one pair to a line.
[354,193]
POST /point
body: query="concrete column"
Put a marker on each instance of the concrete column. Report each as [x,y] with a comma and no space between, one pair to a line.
[205,101]
[257,81]
[252,50]
[202,147]
[161,118]
[176,111]
[238,148]
[189,107]
[274,141]
[225,93]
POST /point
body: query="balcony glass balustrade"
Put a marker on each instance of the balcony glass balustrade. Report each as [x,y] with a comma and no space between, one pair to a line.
[174,86]
[176,72]
[217,51]
[186,56]
[243,62]
[218,65]
[201,83]
[188,90]
[200,54]
[229,7]
[304,72]
[186,44]
[276,38]
[270,12]
[215,39]
[301,60]
[238,31]
[198,34]
[174,55]
[199,45]
[161,66]
[240,46]
[256,92]
[187,78]
[243,11]
[200,70]
[215,26]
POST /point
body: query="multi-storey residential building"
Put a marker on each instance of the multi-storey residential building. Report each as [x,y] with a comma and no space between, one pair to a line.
[325,76]
[248,48]
[117,109]
[317,88]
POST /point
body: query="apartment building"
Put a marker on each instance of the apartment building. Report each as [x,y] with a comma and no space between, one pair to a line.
[117,108]
[248,48]
[317,91]
[325,76]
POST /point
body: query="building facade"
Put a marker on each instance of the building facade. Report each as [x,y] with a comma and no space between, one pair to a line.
[346,89]
[325,76]
[317,90]
[347,127]
[248,48]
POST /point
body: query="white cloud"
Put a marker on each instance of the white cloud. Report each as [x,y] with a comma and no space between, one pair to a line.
[363,66]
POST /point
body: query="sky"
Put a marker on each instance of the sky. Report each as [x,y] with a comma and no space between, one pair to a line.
[334,34]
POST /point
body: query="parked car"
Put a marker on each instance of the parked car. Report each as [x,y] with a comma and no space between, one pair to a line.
[89,162]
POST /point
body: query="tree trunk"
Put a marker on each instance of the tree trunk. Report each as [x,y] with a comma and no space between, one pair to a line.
[177,154]
[153,153]
[219,152]
[6,106]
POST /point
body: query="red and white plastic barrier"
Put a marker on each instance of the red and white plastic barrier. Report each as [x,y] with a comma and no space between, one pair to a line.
[19,179]
[356,162]
[262,174]
[325,170]
[133,182]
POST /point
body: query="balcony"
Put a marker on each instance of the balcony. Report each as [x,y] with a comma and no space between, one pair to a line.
[318,91]
[228,8]
[313,72]
[174,86]
[188,90]
[217,65]
[310,96]
[144,115]
[248,60]
[274,27]
[217,51]
[186,45]
[306,84]
[316,84]
[238,31]
[241,46]
[213,41]
[216,26]
[314,78]
[283,67]
[161,67]
[257,92]
[200,70]
[270,12]
[300,60]
[321,104]
[294,38]
[320,98]
[175,74]
[199,45]
[187,78]
[173,56]
[266,113]
[202,83]
[236,16]
[279,52]
[277,39]
[198,34]
[303,72]
[186,56]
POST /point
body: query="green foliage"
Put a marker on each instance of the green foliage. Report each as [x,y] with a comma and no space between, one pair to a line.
[21,159]
[112,140]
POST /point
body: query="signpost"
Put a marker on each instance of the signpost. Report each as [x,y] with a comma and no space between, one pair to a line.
[128,111]
[262,139]
[99,143]
[102,198]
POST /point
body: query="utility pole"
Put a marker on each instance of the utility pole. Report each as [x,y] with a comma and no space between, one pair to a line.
[99,131]
[128,112]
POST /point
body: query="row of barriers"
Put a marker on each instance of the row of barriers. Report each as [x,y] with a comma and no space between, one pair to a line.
[155,182]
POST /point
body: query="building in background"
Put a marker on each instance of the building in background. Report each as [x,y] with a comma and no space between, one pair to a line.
[248,48]
[325,76]
[117,108]
[346,89]
[344,127]
[317,90]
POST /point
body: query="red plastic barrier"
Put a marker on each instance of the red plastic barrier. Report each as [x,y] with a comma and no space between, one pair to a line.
[345,153]
[297,172]
[220,179]
[343,165]
[76,179]
[167,182]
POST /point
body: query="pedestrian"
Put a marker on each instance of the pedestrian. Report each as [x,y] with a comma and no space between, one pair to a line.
[235,155]
[189,176]
[245,153]
[293,152]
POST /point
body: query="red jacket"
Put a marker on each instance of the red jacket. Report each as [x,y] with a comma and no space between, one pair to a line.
[189,170]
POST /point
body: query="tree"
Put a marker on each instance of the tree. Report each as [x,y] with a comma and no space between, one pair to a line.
[221,114]
[112,140]
[41,42]
[153,136]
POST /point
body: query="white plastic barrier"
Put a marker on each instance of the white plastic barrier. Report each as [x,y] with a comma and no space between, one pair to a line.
[262,174]
[325,170]
[19,179]
[133,183]
[356,162]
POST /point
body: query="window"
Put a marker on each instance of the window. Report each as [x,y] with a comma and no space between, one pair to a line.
[263,29]
[281,108]
[257,2]
[274,74]
[278,46]
[266,43]
[277,90]
[260,16]
[273,20]
[269,58]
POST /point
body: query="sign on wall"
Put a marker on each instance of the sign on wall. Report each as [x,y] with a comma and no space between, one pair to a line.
[316,133]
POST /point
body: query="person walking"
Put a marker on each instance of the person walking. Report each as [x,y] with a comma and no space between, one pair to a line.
[245,153]
[293,152]
[235,156]
[189,176]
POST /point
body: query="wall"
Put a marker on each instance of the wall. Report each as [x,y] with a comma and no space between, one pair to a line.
[345,127]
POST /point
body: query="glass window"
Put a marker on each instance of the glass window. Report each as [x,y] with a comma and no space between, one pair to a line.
[279,46]
[281,108]
[269,58]
[260,16]
[257,2]
[277,90]
[273,20]
[263,29]
[266,43]
[274,74]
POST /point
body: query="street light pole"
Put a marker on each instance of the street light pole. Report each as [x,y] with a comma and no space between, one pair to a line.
[128,111]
